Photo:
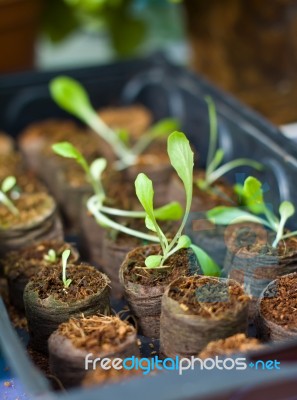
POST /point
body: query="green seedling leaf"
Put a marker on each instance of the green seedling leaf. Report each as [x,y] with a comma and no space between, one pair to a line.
[149,224]
[164,127]
[65,256]
[153,261]
[145,194]
[67,150]
[218,158]
[67,283]
[172,211]
[222,215]
[253,195]
[208,265]
[51,256]
[286,210]
[8,184]
[182,160]
[124,136]
[70,95]
[184,242]
[97,167]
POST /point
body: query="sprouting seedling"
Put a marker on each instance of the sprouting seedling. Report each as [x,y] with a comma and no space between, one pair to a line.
[214,170]
[6,186]
[171,211]
[51,256]
[182,160]
[65,256]
[256,211]
[70,95]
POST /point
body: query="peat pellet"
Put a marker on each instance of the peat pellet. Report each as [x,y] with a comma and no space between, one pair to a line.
[48,303]
[20,266]
[144,287]
[37,220]
[197,310]
[88,338]
[254,263]
[238,343]
[277,319]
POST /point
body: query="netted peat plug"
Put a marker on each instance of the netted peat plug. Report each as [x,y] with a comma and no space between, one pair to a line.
[54,295]
[30,218]
[22,265]
[238,343]
[198,310]
[277,319]
[144,287]
[75,345]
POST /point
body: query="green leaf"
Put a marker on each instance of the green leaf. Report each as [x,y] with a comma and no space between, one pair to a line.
[145,193]
[65,256]
[123,134]
[184,242]
[253,195]
[67,283]
[172,211]
[70,95]
[8,184]
[97,167]
[153,261]
[208,265]
[149,224]
[67,150]
[286,210]
[182,160]
[164,127]
[218,158]
[222,215]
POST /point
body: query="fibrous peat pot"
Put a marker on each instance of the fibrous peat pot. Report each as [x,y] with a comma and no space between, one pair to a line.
[253,262]
[48,303]
[37,221]
[277,319]
[144,287]
[20,266]
[97,336]
[210,237]
[197,310]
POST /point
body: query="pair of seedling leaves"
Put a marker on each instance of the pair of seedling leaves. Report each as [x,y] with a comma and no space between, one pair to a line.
[52,257]
[182,160]
[255,210]
[70,95]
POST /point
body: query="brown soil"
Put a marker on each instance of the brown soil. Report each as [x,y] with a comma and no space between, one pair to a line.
[238,343]
[137,272]
[40,360]
[18,319]
[86,281]
[207,297]
[221,193]
[6,144]
[28,183]
[101,377]
[11,164]
[279,304]
[154,156]
[33,208]
[135,119]
[26,262]
[284,248]
[96,334]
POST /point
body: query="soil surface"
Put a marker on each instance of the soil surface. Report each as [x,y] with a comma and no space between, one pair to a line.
[6,144]
[238,343]
[33,208]
[284,248]
[279,304]
[11,164]
[136,271]
[26,262]
[97,334]
[207,297]
[86,281]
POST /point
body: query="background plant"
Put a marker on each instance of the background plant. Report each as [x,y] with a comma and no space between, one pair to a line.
[51,256]
[70,95]
[6,186]
[256,211]
[214,170]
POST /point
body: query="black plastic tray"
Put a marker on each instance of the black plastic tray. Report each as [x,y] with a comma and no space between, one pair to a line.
[166,90]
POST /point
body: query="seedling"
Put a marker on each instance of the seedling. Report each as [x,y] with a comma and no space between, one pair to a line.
[171,211]
[182,160]
[70,95]
[51,256]
[253,199]
[214,170]
[65,256]
[6,186]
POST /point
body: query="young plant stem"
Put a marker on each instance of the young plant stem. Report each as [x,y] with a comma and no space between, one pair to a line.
[213,131]
[8,203]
